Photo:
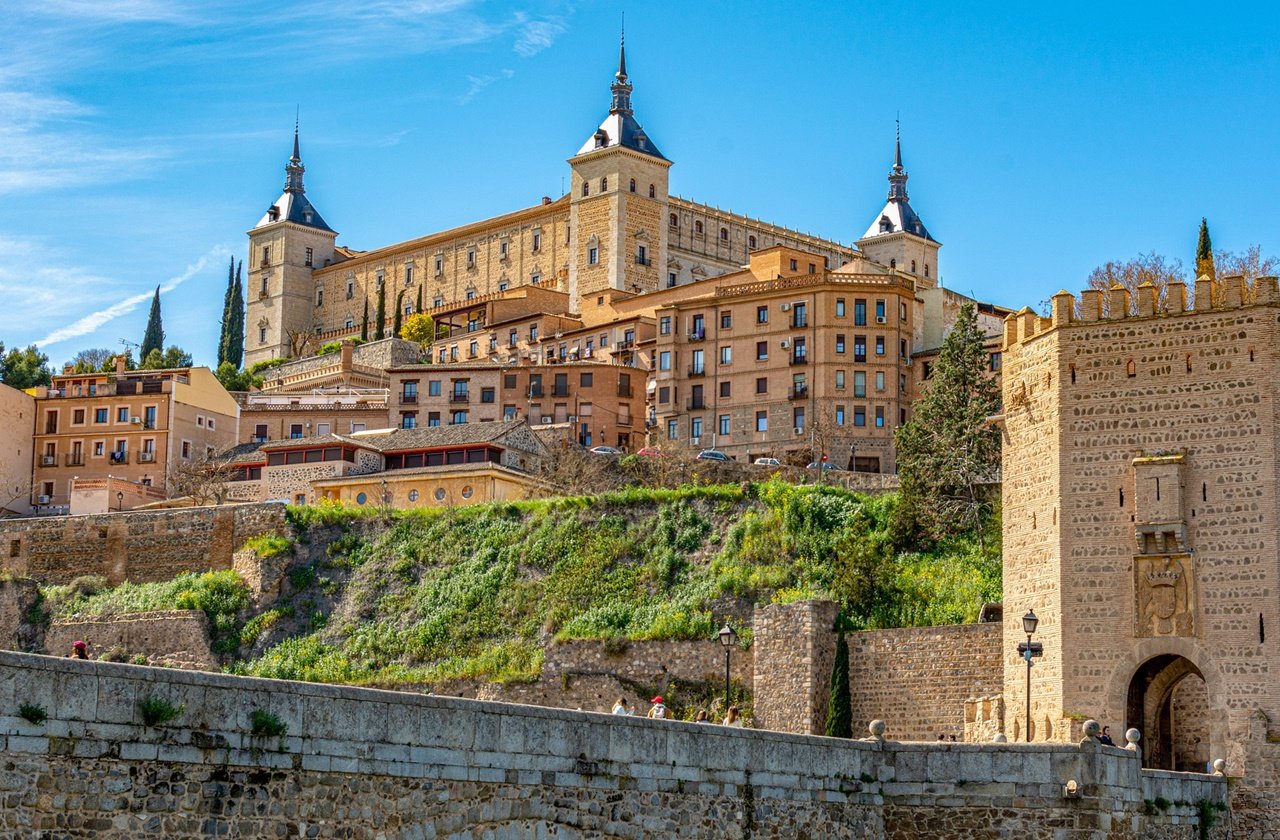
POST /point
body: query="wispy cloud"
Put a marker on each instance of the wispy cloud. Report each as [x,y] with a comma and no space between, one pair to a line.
[479,83]
[91,322]
[537,35]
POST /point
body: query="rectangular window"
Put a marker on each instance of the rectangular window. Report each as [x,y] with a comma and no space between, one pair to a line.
[664,325]
[859,383]
[839,307]
[459,418]
[762,421]
[673,430]
[664,360]
[593,256]
[879,345]
[433,418]
[486,395]
[99,448]
[585,380]
[762,314]
[725,389]
[320,296]
[797,416]
[762,350]
[839,343]
[537,240]
[695,427]
[839,415]
[410,391]
[322,428]
[77,417]
[726,355]
[859,348]
[859,415]
[307,257]
[879,417]
[902,349]
[664,394]
[726,320]
[879,311]
[100,415]
[995,361]
[671,280]
[433,387]
[502,249]
[879,380]
[642,255]
[859,312]
[902,313]
[724,424]
[762,385]
[839,380]
[409,420]
[471,259]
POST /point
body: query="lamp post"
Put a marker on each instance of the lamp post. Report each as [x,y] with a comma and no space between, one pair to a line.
[119,500]
[727,638]
[1028,649]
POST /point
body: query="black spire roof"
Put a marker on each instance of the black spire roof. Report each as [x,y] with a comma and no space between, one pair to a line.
[620,127]
[293,205]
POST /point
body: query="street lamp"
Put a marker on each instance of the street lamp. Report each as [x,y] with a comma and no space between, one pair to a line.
[1028,649]
[727,639]
[119,500]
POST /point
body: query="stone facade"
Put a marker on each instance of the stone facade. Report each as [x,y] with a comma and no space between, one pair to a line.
[17,420]
[652,662]
[135,546]
[367,764]
[797,642]
[171,638]
[17,597]
[918,679]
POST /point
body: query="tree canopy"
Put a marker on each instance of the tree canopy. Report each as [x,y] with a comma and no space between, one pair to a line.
[231,337]
[92,359]
[948,454]
[174,357]
[24,368]
[153,338]
[419,327]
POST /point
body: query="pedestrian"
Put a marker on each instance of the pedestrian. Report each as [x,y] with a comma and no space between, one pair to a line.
[659,710]
[620,707]
[79,650]
[733,718]
[701,717]
[953,739]
[1105,737]
[942,736]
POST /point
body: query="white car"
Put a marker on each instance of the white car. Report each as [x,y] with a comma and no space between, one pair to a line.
[605,450]
[767,462]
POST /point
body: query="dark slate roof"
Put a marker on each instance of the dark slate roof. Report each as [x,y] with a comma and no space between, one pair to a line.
[621,129]
[434,437]
[314,440]
[297,208]
[245,453]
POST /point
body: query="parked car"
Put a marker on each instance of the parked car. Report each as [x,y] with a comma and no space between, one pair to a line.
[713,455]
[826,466]
[606,450]
[767,462]
[651,452]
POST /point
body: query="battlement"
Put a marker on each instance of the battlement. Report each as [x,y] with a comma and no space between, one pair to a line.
[1209,296]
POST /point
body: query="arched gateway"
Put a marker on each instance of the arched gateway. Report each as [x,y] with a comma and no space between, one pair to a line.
[1169,703]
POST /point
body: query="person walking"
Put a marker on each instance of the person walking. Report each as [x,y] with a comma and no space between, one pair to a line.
[620,707]
[659,710]
[733,718]
[79,650]
[701,717]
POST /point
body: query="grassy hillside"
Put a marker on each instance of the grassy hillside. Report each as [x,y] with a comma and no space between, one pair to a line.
[476,592]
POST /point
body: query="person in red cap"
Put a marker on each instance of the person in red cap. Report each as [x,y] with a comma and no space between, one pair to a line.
[79,650]
[659,711]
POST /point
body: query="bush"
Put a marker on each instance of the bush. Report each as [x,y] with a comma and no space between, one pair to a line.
[268,545]
[32,713]
[263,724]
[155,710]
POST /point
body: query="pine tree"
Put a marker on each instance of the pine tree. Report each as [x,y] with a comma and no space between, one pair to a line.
[419,308]
[235,330]
[227,317]
[840,706]
[364,322]
[153,338]
[948,453]
[395,328]
[1204,252]
[380,320]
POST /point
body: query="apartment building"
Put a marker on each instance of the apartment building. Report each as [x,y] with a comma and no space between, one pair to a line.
[134,425]
[788,361]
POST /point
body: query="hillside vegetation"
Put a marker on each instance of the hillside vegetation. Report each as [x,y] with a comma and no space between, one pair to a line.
[476,592]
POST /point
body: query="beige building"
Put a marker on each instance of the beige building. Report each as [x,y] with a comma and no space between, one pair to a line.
[135,425]
[1141,522]
[17,422]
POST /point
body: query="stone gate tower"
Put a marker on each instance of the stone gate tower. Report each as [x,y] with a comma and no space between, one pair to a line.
[288,241]
[1141,520]
[619,204]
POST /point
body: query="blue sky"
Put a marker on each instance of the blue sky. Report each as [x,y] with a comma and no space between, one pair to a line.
[139,139]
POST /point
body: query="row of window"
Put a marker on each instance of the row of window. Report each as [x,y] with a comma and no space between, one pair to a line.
[799,387]
[604,187]
[103,416]
[798,316]
[118,454]
[566,350]
[724,422]
[261,432]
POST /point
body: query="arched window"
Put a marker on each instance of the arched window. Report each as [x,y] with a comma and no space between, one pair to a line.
[586,189]
[1131,368]
[751,242]
[652,194]
[604,185]
[913,266]
[926,269]
[675,220]
[697,227]
[633,184]
[724,234]
[893,263]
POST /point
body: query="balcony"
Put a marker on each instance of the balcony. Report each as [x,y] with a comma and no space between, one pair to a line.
[560,392]
[799,358]
[624,346]
[697,370]
[409,399]
[121,457]
[75,459]
[48,460]
[535,391]
[624,391]
[146,457]
[459,397]
[798,392]
[799,322]
[696,403]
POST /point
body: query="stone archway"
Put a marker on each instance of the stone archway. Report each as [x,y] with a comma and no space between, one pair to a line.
[1168,702]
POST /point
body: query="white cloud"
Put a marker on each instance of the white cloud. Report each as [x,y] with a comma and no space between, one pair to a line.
[479,83]
[536,36]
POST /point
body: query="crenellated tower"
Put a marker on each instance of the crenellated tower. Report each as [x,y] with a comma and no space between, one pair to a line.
[285,245]
[897,238]
[619,203]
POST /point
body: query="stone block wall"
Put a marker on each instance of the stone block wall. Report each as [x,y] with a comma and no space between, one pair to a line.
[798,644]
[17,597]
[649,663]
[364,763]
[172,638]
[135,546]
[917,679]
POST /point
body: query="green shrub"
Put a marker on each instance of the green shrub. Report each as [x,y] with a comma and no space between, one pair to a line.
[263,724]
[268,545]
[32,713]
[261,622]
[156,710]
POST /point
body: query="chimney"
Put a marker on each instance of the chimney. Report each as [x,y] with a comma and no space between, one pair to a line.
[68,368]
[345,353]
[119,364]
[546,199]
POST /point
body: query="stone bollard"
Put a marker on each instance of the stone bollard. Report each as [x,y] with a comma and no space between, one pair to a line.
[1219,767]
[876,728]
[1000,738]
[1133,736]
[1092,729]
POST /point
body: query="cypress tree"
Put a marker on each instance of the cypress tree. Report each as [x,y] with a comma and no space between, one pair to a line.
[419,309]
[380,320]
[235,330]
[395,329]
[227,317]
[153,338]
[840,706]
[364,322]
[1204,252]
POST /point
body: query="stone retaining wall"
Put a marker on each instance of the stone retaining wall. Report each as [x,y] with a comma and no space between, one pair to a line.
[134,546]
[173,638]
[361,763]
[651,663]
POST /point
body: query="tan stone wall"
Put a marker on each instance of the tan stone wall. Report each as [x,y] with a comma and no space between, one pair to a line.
[798,644]
[135,546]
[17,420]
[17,597]
[172,638]
[917,679]
[649,662]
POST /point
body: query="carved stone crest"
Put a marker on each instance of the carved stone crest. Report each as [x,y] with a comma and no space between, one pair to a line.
[1165,588]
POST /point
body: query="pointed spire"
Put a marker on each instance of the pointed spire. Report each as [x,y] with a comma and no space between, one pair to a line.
[297,156]
[897,175]
[897,146]
[621,88]
[621,75]
[293,169]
